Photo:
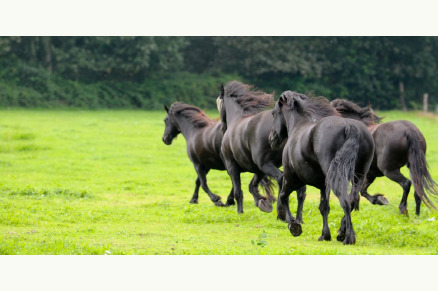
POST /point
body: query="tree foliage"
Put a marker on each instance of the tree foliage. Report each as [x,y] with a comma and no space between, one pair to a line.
[141,72]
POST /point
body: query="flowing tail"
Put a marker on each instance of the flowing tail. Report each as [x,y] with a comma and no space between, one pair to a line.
[341,170]
[418,169]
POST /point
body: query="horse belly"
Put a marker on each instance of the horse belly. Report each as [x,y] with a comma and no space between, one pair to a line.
[246,163]
[391,147]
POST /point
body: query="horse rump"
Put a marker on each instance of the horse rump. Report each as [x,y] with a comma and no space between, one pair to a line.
[341,170]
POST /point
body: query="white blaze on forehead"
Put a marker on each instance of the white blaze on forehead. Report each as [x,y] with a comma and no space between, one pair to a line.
[219,103]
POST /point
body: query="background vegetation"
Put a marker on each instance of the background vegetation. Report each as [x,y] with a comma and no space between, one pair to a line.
[144,72]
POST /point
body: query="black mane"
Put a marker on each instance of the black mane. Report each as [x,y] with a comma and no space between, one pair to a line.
[250,100]
[314,107]
[192,113]
[366,114]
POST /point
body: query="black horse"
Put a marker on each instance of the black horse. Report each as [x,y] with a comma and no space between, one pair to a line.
[398,143]
[203,137]
[323,150]
[245,146]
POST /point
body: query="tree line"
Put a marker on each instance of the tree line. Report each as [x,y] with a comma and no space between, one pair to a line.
[144,72]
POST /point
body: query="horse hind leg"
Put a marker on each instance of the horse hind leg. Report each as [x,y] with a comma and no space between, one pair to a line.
[202,175]
[194,199]
[301,196]
[377,199]
[261,202]
[405,183]
[417,199]
[417,203]
[324,209]
[346,232]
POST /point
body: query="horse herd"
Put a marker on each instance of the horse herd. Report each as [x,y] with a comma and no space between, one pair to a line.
[334,146]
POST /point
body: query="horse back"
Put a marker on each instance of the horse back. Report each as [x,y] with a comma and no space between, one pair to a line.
[246,142]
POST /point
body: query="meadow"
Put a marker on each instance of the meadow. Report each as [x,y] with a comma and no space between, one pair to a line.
[103,182]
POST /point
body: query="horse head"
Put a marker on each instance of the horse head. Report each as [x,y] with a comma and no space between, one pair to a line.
[279,128]
[171,129]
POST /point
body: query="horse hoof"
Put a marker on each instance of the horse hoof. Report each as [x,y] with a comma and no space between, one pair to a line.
[404,212]
[229,203]
[193,201]
[323,237]
[265,206]
[295,228]
[381,200]
[219,203]
[349,240]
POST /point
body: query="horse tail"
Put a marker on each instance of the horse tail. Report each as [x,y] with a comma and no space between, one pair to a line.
[268,185]
[341,170]
[418,168]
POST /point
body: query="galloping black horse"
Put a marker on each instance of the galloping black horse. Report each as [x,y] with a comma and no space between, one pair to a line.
[323,150]
[203,137]
[398,143]
[245,146]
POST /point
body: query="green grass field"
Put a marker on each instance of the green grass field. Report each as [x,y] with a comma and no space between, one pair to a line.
[103,182]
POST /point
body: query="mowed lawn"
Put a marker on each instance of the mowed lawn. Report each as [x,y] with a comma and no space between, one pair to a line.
[103,182]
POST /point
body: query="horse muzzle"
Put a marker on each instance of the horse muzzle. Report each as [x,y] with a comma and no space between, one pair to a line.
[167,140]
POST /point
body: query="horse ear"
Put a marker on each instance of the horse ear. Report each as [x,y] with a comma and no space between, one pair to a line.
[222,91]
[282,100]
[294,103]
[166,108]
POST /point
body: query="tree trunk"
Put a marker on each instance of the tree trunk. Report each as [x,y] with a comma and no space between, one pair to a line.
[47,52]
[401,86]
[32,48]
[425,102]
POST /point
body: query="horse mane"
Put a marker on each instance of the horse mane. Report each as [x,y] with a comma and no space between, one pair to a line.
[366,114]
[251,101]
[192,113]
[314,107]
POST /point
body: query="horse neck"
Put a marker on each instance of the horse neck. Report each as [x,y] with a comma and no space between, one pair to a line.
[233,111]
[296,122]
[186,127]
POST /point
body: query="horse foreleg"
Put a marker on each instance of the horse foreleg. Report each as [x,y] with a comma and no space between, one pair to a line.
[194,199]
[290,183]
[234,172]
[261,202]
[230,199]
[301,196]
